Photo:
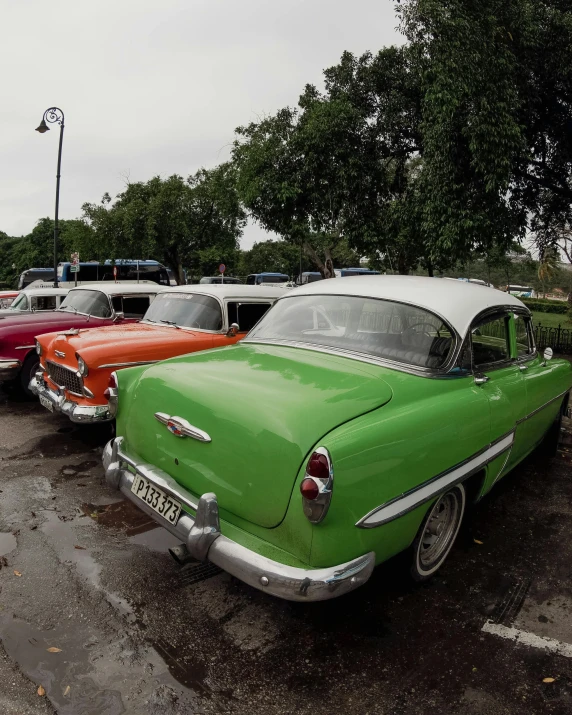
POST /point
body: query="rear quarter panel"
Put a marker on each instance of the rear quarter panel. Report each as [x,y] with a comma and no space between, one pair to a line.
[429,426]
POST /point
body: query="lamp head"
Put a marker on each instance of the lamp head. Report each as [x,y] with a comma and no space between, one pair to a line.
[43,128]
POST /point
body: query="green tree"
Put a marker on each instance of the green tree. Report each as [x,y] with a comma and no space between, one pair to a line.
[171,220]
[311,174]
[496,118]
[273,256]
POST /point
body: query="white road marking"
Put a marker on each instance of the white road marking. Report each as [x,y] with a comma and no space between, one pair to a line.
[526,638]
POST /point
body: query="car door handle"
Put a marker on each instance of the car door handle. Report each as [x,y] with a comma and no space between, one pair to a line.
[523,368]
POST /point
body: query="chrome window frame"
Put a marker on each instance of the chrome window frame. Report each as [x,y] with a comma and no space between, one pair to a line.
[530,328]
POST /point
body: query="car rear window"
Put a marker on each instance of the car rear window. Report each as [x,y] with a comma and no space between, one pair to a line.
[380,328]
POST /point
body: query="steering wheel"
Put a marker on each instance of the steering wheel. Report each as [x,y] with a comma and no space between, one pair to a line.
[414,338]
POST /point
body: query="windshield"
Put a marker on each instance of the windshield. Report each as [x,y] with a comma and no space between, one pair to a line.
[90,302]
[381,328]
[20,303]
[187,310]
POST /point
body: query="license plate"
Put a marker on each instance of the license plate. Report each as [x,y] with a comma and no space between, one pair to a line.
[156,498]
[46,403]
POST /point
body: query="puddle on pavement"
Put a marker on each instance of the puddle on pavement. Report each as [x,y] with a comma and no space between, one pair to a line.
[140,529]
[71,471]
[59,444]
[121,514]
[7,543]
[157,539]
[66,544]
[92,675]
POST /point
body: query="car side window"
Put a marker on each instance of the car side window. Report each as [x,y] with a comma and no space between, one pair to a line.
[132,306]
[44,302]
[246,314]
[490,341]
[524,339]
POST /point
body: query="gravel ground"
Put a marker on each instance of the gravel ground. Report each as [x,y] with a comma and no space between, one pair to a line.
[84,572]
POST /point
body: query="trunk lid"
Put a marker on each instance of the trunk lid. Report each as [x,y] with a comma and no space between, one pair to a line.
[263,406]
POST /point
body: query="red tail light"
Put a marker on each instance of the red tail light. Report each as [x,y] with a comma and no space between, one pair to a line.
[318,466]
[309,489]
[316,487]
[112,380]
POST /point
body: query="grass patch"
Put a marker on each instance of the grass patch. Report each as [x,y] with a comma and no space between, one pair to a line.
[551,320]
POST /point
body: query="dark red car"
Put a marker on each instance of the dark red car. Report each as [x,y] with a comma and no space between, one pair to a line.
[90,306]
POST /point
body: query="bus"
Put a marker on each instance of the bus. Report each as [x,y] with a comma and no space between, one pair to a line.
[127,270]
[35,274]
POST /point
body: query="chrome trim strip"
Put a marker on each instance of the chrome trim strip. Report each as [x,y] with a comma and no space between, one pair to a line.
[418,495]
[538,409]
[186,428]
[127,364]
[25,347]
[501,470]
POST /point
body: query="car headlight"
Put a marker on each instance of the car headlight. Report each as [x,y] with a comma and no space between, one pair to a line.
[38,348]
[81,366]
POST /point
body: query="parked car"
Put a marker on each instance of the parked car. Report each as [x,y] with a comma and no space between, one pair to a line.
[309,277]
[355,421]
[180,320]
[217,279]
[349,272]
[258,279]
[7,298]
[86,307]
[32,300]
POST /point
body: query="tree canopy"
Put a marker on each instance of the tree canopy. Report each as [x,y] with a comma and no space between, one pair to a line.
[171,220]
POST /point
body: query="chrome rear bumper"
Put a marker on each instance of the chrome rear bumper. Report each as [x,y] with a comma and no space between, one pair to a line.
[81,414]
[9,369]
[204,540]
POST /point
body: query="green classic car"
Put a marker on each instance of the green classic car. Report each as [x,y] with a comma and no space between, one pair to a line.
[354,422]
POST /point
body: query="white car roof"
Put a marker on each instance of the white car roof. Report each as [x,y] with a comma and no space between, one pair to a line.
[457,302]
[120,288]
[232,290]
[45,291]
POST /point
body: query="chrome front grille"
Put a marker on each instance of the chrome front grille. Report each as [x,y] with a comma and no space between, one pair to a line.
[64,377]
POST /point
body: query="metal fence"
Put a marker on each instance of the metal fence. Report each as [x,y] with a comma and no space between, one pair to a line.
[559,339]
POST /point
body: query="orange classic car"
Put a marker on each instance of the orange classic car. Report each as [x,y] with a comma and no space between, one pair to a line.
[81,383]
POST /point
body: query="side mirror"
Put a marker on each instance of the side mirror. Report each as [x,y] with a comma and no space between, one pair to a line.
[233,330]
[548,354]
[119,315]
[481,379]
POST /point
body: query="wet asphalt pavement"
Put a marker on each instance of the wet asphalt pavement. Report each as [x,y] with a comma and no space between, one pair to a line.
[84,572]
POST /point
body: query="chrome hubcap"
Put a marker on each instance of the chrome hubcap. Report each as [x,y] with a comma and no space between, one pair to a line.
[440,529]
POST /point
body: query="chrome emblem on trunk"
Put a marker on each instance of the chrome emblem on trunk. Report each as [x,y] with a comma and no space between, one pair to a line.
[181,428]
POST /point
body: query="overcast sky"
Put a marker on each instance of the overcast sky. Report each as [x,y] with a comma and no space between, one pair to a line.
[154,86]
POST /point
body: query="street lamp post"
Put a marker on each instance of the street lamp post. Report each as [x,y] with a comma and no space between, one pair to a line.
[54,115]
